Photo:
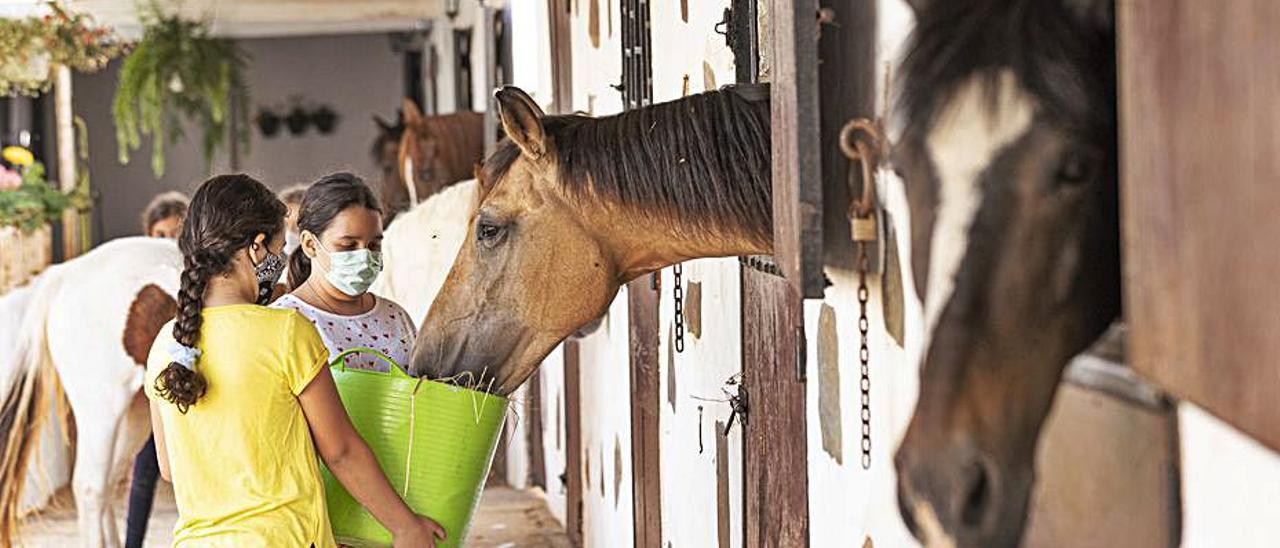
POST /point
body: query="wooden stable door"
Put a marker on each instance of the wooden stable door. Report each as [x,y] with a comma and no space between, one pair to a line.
[1200,194]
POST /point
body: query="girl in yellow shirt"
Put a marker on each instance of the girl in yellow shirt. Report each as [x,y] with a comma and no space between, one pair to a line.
[242,400]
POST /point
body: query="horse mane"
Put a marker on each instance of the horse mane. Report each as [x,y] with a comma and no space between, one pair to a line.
[703,159]
[1062,53]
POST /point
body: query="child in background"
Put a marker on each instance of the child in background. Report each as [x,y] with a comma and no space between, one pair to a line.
[163,216]
[241,395]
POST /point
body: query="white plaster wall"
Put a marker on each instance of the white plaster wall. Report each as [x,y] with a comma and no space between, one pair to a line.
[518,439]
[551,381]
[1230,484]
[595,69]
[606,431]
[691,408]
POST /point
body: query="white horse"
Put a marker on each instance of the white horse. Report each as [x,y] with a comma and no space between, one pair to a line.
[52,454]
[89,321]
[418,248]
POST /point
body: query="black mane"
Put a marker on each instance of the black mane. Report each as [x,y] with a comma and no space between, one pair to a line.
[1062,53]
[704,158]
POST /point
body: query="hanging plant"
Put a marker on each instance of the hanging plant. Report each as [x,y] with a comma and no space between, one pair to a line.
[32,47]
[180,71]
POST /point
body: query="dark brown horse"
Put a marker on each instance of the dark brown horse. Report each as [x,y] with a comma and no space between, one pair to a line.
[1009,156]
[434,152]
[573,207]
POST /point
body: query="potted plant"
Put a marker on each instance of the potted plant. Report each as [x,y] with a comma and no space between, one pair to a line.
[268,122]
[27,200]
[325,119]
[180,70]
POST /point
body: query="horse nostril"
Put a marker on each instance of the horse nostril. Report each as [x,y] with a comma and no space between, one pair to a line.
[977,497]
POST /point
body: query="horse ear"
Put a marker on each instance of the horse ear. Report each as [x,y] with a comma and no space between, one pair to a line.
[522,121]
[409,110]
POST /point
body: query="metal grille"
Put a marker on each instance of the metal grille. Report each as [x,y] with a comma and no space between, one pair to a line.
[637,61]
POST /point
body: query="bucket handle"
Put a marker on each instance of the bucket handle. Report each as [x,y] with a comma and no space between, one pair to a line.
[340,361]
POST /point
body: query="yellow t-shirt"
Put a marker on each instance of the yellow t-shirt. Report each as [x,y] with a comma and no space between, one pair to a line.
[244,468]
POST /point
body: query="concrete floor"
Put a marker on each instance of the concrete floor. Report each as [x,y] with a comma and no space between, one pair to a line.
[507,518]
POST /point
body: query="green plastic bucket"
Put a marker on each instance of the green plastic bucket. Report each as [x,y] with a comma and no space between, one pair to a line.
[434,441]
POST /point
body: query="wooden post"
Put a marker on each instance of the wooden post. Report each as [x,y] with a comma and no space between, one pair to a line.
[537,452]
[73,238]
[573,443]
[775,440]
[797,160]
[645,412]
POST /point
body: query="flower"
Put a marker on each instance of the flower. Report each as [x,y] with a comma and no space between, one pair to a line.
[18,156]
[9,179]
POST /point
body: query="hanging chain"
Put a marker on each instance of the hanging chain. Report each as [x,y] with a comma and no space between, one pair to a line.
[679,295]
[862,217]
[864,354]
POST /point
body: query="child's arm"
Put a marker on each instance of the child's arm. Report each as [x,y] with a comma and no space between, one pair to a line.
[351,461]
[157,430]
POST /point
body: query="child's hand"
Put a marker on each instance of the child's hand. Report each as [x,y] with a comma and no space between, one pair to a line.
[423,531]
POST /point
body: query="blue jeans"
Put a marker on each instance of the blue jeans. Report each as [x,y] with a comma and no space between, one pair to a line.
[142,492]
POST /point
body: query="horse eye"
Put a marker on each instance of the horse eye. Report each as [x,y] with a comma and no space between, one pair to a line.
[1076,167]
[489,234]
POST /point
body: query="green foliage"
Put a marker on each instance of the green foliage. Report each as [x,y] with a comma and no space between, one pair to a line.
[36,202]
[177,72]
[60,38]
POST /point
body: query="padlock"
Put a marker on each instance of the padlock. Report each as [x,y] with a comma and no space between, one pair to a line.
[864,228]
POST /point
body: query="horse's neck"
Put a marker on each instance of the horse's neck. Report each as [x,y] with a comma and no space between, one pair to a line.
[641,244]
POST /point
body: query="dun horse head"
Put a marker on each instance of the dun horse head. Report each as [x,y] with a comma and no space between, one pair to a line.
[1009,157]
[573,207]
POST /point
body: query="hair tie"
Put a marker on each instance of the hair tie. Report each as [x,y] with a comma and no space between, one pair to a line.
[184,355]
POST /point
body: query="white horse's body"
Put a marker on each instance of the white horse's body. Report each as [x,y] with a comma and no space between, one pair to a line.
[52,454]
[420,245]
[76,319]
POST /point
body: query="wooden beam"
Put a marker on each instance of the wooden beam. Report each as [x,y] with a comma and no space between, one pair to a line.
[645,412]
[537,451]
[1198,116]
[775,439]
[797,158]
[573,443]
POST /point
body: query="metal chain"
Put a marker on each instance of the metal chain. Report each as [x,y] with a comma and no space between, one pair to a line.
[679,295]
[864,354]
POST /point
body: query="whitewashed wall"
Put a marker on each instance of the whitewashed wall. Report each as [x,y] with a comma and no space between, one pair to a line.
[607,502]
[1230,484]
[554,446]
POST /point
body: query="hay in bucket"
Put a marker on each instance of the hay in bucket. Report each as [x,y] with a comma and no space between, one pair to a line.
[434,441]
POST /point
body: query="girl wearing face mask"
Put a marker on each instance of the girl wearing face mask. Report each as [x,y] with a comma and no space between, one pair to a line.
[340,255]
[241,395]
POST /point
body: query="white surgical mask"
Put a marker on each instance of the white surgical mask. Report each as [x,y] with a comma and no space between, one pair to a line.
[352,272]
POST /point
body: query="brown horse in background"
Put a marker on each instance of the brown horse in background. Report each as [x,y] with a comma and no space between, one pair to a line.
[432,152]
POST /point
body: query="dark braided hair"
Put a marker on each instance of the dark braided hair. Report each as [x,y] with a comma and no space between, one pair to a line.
[324,200]
[227,213]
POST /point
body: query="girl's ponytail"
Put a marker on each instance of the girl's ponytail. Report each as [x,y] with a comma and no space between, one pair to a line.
[181,384]
[299,268]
